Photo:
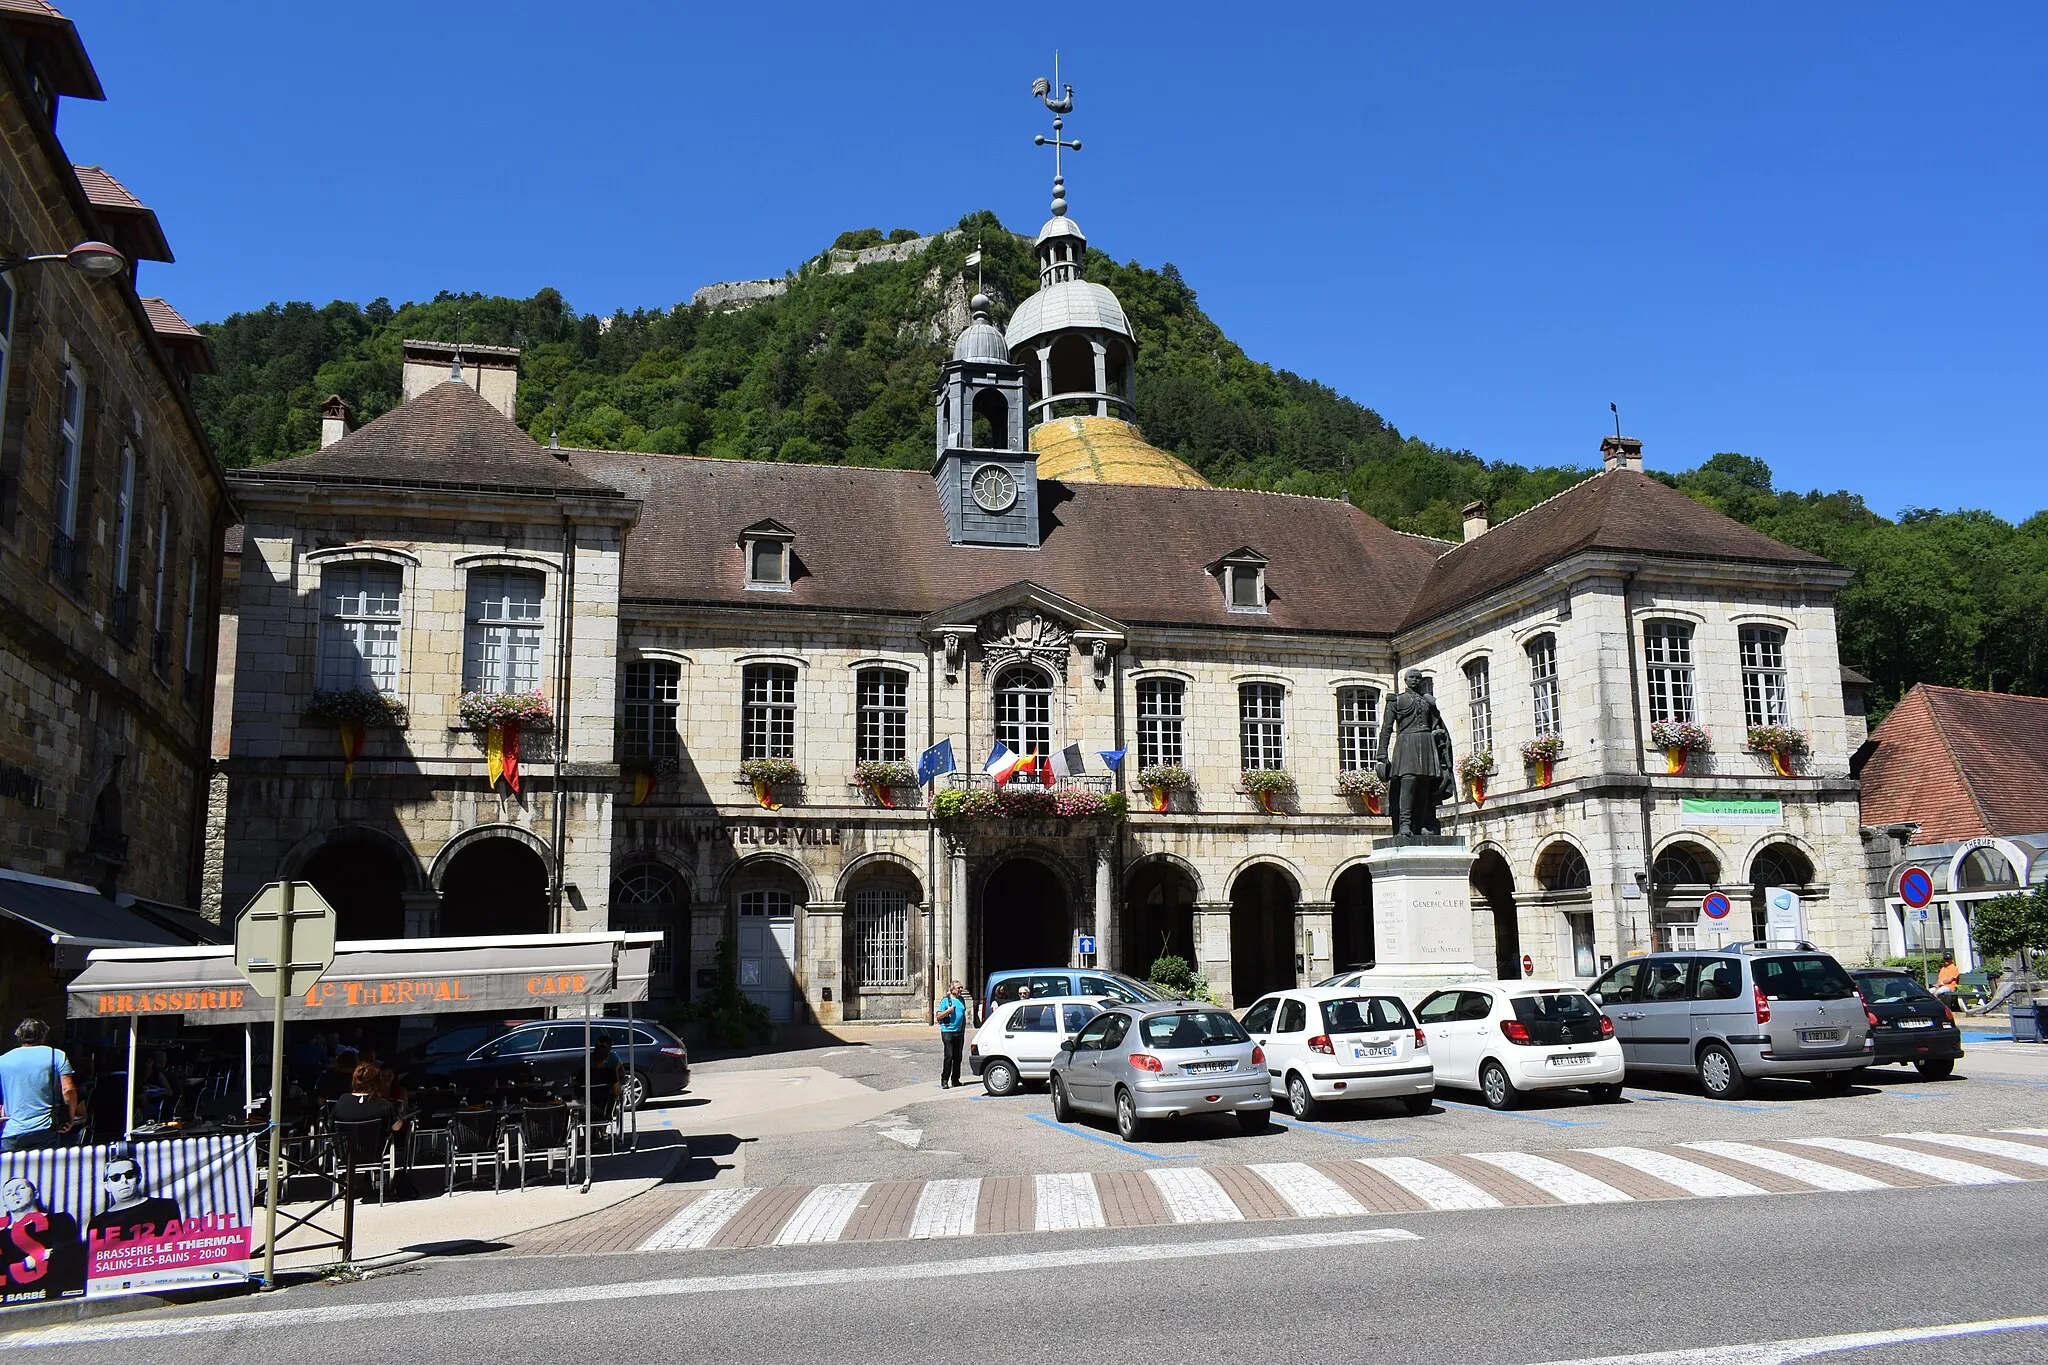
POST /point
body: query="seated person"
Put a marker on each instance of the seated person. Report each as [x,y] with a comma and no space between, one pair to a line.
[363,1104]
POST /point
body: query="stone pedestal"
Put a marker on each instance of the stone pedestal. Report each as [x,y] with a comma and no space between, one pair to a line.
[1422,915]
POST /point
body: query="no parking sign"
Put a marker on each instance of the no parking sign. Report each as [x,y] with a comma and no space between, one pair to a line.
[1715,907]
[1916,887]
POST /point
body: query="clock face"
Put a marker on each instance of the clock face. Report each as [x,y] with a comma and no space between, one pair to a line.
[994,490]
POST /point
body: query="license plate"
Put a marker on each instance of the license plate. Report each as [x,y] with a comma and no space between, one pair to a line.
[1360,1052]
[1820,1035]
[1571,1059]
[1204,1068]
[1916,1023]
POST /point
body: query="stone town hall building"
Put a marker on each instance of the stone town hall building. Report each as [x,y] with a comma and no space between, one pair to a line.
[1052,581]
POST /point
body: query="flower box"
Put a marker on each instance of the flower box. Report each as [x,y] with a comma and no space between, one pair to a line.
[1473,770]
[1364,786]
[1026,803]
[1541,755]
[481,710]
[1679,739]
[1266,786]
[881,778]
[1783,745]
[1161,781]
[364,706]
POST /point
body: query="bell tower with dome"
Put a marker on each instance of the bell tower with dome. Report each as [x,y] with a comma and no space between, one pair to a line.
[986,474]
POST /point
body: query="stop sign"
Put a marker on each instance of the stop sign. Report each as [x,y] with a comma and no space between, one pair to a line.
[1528,965]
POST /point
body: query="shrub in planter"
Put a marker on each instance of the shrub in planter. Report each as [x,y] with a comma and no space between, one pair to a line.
[1265,786]
[1177,977]
[1679,739]
[1161,781]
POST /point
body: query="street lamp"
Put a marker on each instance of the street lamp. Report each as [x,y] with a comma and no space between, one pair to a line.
[94,260]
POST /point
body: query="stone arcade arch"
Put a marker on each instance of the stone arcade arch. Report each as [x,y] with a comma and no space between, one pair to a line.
[1351,935]
[1493,888]
[1026,918]
[882,941]
[494,886]
[1262,932]
[1776,864]
[652,896]
[365,876]
[1159,912]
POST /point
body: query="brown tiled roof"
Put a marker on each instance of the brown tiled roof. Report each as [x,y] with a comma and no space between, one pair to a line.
[131,224]
[874,540]
[1617,509]
[1961,765]
[448,437]
[168,321]
[63,57]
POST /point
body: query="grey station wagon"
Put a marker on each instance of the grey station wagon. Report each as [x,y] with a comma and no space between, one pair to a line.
[1137,1063]
[1738,1014]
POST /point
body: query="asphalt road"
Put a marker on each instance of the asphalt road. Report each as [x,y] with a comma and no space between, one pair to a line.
[1513,1287]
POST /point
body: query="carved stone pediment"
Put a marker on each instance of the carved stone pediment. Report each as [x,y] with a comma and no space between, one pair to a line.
[1024,635]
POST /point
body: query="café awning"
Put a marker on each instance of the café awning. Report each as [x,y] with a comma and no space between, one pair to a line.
[73,913]
[371,977]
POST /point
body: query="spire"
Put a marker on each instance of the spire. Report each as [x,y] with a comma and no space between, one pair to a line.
[1060,106]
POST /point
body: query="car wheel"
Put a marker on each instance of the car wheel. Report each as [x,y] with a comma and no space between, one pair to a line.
[1936,1068]
[1720,1077]
[1129,1126]
[999,1076]
[1831,1082]
[1496,1089]
[1062,1108]
[633,1093]
[1254,1120]
[1300,1103]
[1418,1104]
[1608,1093]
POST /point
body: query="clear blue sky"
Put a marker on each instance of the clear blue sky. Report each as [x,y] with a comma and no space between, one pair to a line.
[1812,233]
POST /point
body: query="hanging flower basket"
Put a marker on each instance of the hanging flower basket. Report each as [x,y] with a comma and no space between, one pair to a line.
[1783,745]
[766,774]
[1679,739]
[1541,755]
[1161,781]
[1265,786]
[883,778]
[1473,770]
[647,774]
[352,711]
[1365,786]
[1026,803]
[502,717]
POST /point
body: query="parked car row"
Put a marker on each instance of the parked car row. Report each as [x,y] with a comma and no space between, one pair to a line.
[1728,1016]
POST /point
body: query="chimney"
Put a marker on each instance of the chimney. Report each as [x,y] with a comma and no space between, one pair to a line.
[1621,452]
[1475,521]
[492,371]
[334,420]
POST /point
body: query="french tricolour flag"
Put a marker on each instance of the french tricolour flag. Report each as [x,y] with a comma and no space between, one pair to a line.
[1002,764]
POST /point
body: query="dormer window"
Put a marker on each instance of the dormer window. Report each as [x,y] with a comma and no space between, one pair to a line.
[1243,576]
[766,545]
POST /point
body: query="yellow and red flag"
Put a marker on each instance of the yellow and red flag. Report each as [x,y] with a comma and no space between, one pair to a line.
[765,795]
[351,745]
[494,754]
[643,787]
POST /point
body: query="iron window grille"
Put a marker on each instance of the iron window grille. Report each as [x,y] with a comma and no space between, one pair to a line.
[1667,656]
[1763,676]
[1162,704]
[881,937]
[882,720]
[768,711]
[646,898]
[1261,726]
[1542,652]
[1358,728]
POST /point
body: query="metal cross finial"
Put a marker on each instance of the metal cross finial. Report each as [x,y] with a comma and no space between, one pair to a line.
[1060,105]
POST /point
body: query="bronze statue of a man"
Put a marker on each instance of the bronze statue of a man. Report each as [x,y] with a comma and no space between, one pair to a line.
[1415,759]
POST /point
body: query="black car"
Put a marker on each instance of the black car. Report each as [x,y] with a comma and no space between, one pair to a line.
[549,1052]
[1908,1023]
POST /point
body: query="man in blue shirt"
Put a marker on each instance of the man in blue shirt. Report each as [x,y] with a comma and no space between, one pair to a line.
[952,1033]
[32,1077]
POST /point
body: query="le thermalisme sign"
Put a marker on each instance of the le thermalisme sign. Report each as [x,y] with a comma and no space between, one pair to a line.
[1716,811]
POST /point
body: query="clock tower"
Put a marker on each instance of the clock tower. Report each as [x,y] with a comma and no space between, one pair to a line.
[986,473]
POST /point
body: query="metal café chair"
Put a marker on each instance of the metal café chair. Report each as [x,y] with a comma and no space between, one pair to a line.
[546,1131]
[365,1144]
[476,1138]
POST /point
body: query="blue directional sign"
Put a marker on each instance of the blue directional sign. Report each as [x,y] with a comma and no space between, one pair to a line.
[1087,945]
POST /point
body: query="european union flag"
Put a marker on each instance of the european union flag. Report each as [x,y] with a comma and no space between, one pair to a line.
[1112,759]
[934,761]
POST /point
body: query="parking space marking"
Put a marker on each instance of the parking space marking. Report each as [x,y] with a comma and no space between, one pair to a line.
[1192,1195]
[1689,1176]
[695,1226]
[1920,1163]
[823,1215]
[1279,1122]
[1309,1192]
[1077,1131]
[2011,1151]
[1817,1174]
[1433,1185]
[1517,1114]
[1554,1178]
[945,1208]
[1652,1097]
[1065,1202]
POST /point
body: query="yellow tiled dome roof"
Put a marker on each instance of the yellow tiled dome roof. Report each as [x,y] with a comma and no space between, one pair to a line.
[1106,450]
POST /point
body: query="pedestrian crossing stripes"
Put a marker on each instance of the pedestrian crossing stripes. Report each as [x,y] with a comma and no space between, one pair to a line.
[1077,1201]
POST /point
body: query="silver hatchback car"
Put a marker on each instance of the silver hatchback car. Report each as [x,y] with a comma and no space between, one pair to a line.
[1137,1063]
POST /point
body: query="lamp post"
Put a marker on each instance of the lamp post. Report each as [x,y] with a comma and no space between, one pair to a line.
[94,260]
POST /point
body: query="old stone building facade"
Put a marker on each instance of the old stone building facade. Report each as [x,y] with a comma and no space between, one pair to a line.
[754,654]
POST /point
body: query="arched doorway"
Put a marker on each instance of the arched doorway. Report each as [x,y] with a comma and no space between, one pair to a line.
[650,897]
[1351,938]
[767,893]
[494,886]
[1776,865]
[1026,920]
[883,949]
[365,879]
[1493,888]
[1159,915]
[1262,902]
[1680,878]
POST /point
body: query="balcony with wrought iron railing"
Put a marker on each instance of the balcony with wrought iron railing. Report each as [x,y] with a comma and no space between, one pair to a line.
[1099,784]
[121,618]
[67,561]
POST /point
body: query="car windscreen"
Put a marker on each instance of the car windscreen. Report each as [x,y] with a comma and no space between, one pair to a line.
[1365,1014]
[1892,990]
[1123,988]
[1191,1028]
[1804,977]
[1554,1017]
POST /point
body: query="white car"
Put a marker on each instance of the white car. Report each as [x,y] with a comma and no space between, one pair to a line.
[1326,1044]
[1504,1037]
[1018,1041]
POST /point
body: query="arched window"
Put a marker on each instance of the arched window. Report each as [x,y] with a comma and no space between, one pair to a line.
[1780,865]
[1984,868]
[648,896]
[1024,709]
[883,723]
[1685,865]
[768,711]
[502,653]
[991,420]
[1763,676]
[1563,868]
[359,627]
[1161,708]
